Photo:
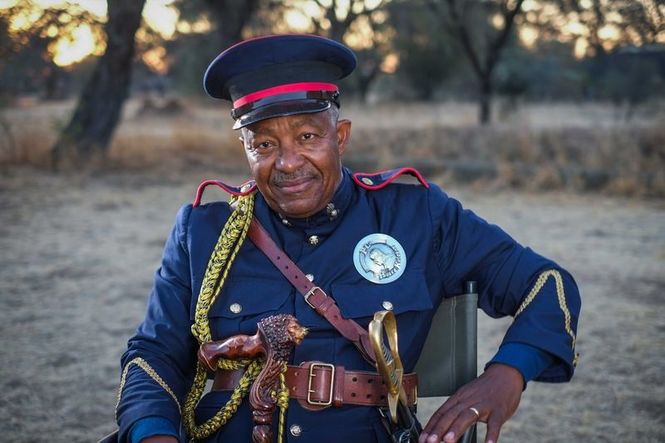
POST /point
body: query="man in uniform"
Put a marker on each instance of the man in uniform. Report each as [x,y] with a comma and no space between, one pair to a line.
[370,244]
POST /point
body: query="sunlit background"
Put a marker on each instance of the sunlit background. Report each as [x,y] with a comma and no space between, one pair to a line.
[540,63]
[544,116]
[74,42]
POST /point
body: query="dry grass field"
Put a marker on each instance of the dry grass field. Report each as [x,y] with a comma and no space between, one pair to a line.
[571,147]
[78,250]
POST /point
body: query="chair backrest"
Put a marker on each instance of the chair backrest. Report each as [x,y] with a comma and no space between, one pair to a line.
[449,356]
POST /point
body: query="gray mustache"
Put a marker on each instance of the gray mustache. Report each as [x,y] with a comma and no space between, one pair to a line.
[280,177]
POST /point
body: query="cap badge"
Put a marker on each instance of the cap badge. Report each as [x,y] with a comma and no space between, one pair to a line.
[379,258]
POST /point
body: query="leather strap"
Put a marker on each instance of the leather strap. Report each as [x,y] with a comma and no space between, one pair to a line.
[314,296]
[319,385]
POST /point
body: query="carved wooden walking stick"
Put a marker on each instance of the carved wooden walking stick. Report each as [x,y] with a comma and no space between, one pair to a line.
[274,339]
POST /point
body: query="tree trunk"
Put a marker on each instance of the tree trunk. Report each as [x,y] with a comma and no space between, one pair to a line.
[230,17]
[88,134]
[363,88]
[485,102]
[366,75]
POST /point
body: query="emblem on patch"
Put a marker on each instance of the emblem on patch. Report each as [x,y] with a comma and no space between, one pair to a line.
[379,258]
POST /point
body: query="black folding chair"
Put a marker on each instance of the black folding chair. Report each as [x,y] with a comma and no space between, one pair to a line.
[449,357]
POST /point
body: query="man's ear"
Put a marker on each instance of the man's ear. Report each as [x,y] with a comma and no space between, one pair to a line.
[343,134]
[242,141]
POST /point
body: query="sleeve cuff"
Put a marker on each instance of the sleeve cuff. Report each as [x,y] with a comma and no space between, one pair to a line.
[151,426]
[528,360]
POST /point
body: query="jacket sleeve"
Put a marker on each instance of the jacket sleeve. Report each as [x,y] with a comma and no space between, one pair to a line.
[158,365]
[512,279]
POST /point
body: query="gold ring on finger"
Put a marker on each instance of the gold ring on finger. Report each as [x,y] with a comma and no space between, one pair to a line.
[475,411]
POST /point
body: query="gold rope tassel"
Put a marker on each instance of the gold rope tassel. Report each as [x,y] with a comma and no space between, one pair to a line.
[141,363]
[282,403]
[230,240]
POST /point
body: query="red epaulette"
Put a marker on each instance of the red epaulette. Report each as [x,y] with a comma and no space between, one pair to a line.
[237,191]
[379,180]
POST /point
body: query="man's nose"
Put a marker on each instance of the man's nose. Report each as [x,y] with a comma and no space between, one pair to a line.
[290,158]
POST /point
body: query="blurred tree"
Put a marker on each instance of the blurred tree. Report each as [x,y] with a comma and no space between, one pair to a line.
[206,27]
[600,31]
[642,71]
[338,15]
[229,17]
[363,25]
[426,58]
[597,26]
[88,134]
[645,20]
[30,43]
[483,28]
[512,79]
[372,37]
[552,72]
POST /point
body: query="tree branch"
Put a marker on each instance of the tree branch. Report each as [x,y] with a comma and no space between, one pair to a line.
[460,29]
[498,44]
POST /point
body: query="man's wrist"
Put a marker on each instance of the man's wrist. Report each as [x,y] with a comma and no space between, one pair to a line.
[152,426]
[528,360]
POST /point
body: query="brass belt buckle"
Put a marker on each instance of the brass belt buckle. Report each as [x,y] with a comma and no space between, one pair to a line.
[310,293]
[309,384]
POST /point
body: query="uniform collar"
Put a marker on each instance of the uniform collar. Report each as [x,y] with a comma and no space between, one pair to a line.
[333,211]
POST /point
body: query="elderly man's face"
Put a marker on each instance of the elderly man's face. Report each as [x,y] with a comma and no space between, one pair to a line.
[296,160]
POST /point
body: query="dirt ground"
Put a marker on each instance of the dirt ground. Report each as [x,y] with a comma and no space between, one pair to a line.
[78,253]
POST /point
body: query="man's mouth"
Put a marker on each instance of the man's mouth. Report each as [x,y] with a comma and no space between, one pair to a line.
[294,186]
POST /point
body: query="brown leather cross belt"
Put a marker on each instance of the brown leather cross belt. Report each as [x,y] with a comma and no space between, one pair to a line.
[319,385]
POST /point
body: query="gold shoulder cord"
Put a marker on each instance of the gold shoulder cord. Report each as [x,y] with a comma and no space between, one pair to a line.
[230,240]
[561,296]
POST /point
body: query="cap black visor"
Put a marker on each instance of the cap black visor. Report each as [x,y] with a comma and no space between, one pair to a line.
[282,109]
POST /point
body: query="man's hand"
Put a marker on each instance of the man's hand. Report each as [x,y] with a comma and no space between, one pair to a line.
[495,395]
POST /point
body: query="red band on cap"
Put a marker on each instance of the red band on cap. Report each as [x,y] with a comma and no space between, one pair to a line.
[283,89]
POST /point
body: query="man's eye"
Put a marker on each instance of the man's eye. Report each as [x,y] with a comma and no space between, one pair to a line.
[263,145]
[308,136]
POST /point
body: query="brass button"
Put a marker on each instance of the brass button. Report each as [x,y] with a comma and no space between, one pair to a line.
[313,240]
[309,277]
[235,308]
[295,430]
[367,181]
[245,187]
[387,305]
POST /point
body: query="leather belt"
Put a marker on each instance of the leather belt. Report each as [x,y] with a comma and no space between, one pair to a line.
[318,385]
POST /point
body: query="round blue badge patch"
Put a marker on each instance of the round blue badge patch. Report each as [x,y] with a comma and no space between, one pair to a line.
[379,258]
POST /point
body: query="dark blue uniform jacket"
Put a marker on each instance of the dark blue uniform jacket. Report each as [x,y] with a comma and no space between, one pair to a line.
[445,246]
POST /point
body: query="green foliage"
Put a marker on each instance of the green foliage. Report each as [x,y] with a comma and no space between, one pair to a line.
[192,53]
[640,73]
[425,65]
[427,57]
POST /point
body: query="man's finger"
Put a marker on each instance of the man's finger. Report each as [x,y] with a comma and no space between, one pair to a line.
[493,428]
[449,404]
[464,421]
[438,428]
